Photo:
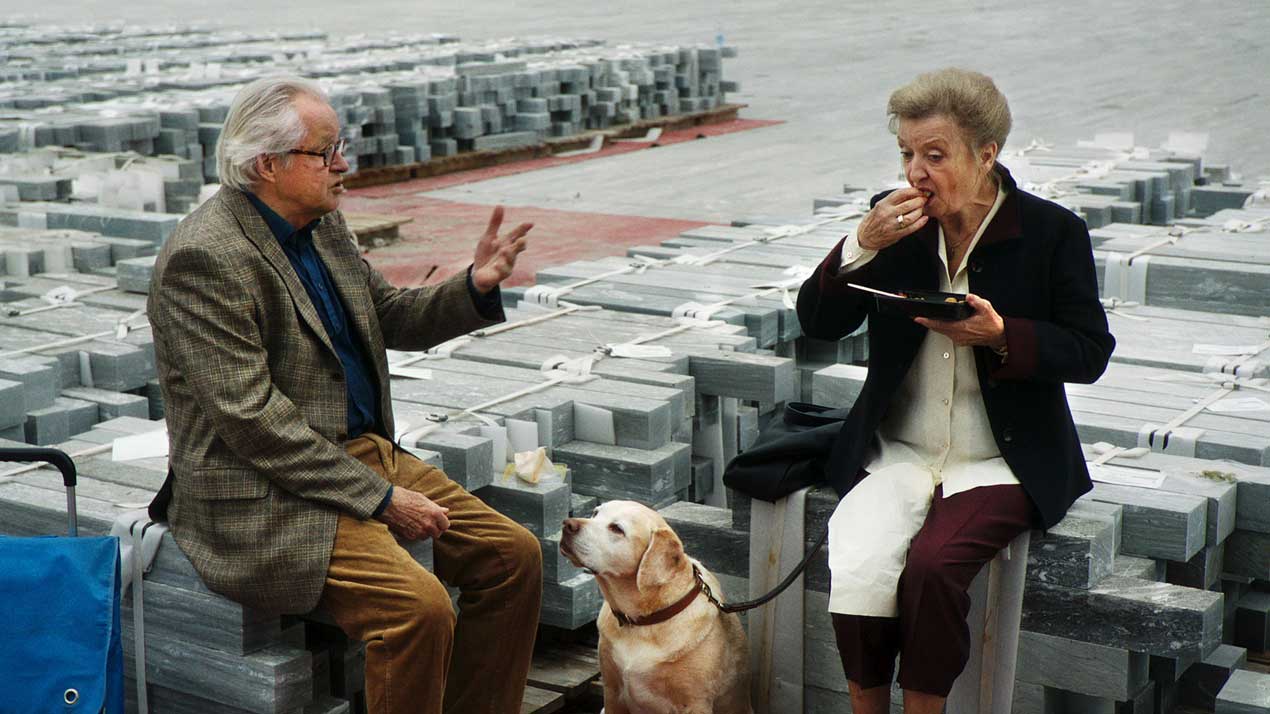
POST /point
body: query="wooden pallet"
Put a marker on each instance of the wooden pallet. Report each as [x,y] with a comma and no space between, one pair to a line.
[563,675]
[469,160]
[375,230]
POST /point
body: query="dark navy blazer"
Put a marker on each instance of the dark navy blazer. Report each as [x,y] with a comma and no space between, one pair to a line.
[1035,264]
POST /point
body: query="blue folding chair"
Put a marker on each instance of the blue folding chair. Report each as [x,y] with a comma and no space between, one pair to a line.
[60,647]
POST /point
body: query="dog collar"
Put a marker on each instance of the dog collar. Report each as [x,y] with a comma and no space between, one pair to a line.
[666,612]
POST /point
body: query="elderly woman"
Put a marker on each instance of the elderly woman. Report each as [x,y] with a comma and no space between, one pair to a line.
[961,438]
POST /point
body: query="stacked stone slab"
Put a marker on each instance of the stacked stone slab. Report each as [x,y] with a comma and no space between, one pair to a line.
[402,99]
[646,427]
[1218,268]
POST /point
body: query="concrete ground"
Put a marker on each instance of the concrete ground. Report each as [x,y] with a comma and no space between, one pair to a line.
[825,69]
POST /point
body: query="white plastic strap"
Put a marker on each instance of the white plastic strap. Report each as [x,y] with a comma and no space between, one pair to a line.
[1126,278]
[573,371]
[498,329]
[554,377]
[1114,305]
[66,343]
[11,474]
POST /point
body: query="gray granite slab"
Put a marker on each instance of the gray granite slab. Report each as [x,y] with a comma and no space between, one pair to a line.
[1248,553]
[1157,524]
[1154,618]
[1085,667]
[1246,692]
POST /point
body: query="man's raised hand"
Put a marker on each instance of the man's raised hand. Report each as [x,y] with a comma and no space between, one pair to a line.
[496,254]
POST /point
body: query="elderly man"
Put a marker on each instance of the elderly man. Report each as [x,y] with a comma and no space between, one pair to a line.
[288,493]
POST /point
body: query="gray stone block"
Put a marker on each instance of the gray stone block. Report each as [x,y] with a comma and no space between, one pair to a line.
[40,378]
[1252,621]
[275,679]
[134,274]
[539,507]
[617,472]
[572,603]
[1202,681]
[1091,669]
[49,425]
[1077,552]
[1155,618]
[1246,692]
[1157,524]
[1248,553]
[111,404]
[13,407]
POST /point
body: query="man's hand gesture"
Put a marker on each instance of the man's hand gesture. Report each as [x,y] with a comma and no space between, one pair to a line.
[496,255]
[413,516]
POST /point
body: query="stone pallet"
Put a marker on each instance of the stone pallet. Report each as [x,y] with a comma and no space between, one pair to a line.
[1117,621]
[1107,184]
[1206,268]
[401,99]
[166,183]
[1190,340]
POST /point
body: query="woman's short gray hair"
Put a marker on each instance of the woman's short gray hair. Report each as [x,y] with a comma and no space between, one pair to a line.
[970,99]
[262,120]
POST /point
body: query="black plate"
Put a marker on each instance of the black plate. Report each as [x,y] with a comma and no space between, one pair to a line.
[923,303]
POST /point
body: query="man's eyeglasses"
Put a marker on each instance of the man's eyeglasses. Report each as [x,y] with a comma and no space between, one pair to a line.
[328,154]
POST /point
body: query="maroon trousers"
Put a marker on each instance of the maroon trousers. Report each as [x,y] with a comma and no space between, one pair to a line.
[961,533]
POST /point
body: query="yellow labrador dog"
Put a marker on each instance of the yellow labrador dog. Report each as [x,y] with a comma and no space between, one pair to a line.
[664,648]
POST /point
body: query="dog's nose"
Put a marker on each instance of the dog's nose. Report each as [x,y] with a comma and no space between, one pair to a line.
[572,525]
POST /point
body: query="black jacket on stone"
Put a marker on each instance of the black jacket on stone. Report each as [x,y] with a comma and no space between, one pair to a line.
[1035,264]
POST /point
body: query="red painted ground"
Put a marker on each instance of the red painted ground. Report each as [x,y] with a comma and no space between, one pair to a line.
[440,240]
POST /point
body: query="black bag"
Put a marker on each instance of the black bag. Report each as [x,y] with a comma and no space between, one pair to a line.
[789,454]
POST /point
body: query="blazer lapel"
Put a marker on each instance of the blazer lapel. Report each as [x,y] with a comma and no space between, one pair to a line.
[344,265]
[257,231]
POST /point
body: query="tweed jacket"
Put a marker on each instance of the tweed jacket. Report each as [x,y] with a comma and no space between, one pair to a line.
[1035,265]
[255,396]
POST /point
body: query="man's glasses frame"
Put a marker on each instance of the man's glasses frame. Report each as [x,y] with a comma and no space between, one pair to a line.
[328,154]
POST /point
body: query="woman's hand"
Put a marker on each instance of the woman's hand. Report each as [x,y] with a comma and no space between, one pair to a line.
[897,215]
[985,327]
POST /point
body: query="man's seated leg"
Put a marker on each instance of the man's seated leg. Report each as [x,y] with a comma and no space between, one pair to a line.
[377,593]
[497,564]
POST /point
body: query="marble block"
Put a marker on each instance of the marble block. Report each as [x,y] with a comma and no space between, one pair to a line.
[572,603]
[111,404]
[13,405]
[1248,553]
[1140,568]
[555,567]
[1157,524]
[40,378]
[275,679]
[618,472]
[1203,680]
[582,506]
[1246,692]
[540,507]
[1252,621]
[1091,669]
[1136,615]
[708,536]
[468,459]
[1060,701]
[205,619]
[1077,552]
[1203,571]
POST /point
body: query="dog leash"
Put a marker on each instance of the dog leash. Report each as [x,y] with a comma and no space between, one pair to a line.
[702,586]
[768,597]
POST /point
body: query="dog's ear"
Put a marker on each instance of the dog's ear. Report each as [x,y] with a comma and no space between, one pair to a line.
[662,560]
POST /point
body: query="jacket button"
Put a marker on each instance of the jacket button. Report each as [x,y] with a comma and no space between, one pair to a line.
[1007,436]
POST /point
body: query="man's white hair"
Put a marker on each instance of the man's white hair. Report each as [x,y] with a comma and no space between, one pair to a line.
[261,120]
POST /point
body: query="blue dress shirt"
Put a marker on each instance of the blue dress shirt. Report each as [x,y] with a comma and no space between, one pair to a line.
[363,397]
